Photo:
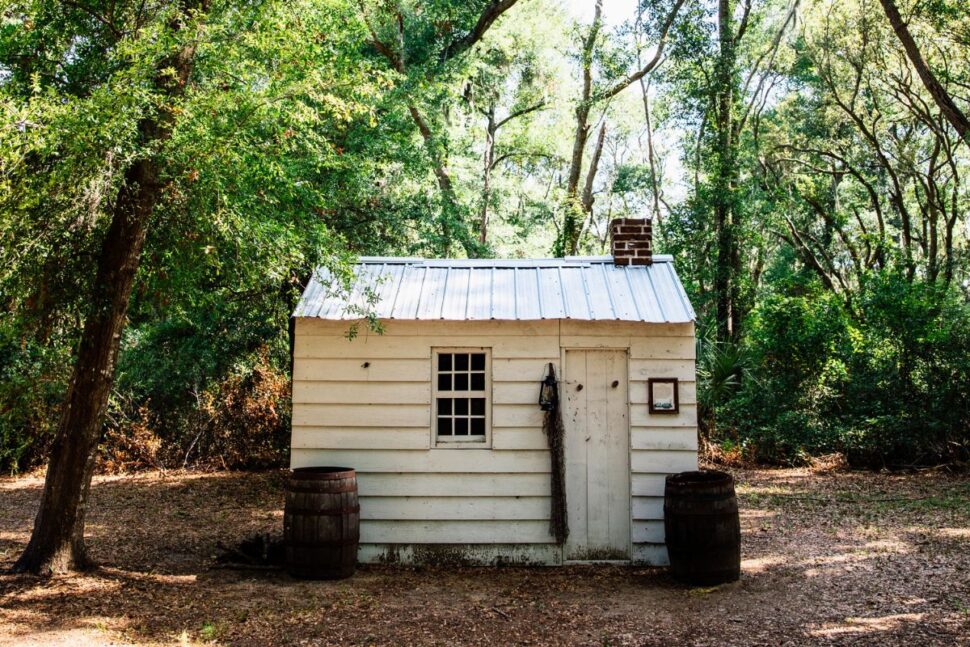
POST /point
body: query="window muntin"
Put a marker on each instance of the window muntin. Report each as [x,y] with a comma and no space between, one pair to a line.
[462,385]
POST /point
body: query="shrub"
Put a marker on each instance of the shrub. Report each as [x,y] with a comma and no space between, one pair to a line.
[882,381]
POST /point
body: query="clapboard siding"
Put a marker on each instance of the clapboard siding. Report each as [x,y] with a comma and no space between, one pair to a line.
[432,508]
[355,371]
[516,415]
[530,370]
[445,484]
[654,348]
[516,393]
[455,532]
[664,462]
[648,532]
[663,348]
[426,328]
[366,403]
[648,508]
[361,415]
[624,329]
[307,346]
[509,438]
[663,438]
[643,369]
[360,438]
[640,416]
[647,484]
[361,392]
[433,460]
[503,438]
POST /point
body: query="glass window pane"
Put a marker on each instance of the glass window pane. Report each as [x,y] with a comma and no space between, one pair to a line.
[444,382]
[461,382]
[478,361]
[478,426]
[444,426]
[478,382]
[444,406]
[478,406]
[444,362]
[461,362]
[461,406]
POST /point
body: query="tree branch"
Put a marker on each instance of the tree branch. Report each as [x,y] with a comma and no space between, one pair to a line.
[489,15]
[651,64]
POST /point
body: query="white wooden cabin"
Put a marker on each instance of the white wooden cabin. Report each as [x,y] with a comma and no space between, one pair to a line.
[439,415]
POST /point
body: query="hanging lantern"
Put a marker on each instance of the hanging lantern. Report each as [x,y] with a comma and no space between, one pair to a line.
[547,391]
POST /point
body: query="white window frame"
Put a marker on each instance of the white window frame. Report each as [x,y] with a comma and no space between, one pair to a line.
[459,442]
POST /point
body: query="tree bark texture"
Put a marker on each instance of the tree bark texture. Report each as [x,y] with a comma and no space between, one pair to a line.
[57,541]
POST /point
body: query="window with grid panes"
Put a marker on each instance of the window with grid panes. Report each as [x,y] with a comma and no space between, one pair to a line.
[461,394]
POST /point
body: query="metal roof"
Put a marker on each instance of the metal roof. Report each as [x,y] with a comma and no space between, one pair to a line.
[575,287]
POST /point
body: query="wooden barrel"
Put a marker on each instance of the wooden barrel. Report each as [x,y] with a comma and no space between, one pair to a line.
[321,523]
[703,531]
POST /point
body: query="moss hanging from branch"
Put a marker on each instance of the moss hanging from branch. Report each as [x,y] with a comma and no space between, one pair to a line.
[555,433]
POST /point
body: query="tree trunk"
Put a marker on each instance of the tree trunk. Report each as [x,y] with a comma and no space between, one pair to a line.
[57,541]
[942,98]
[654,184]
[725,274]
[568,242]
[488,160]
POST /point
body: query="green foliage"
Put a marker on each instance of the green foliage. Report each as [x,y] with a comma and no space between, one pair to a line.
[295,145]
[885,388]
[32,380]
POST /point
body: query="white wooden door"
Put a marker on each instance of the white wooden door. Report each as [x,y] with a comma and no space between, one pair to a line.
[597,454]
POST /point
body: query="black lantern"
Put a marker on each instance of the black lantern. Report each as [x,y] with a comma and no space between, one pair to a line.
[548,397]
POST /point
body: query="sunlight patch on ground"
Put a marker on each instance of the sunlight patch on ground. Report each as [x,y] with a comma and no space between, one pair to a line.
[866,625]
[955,533]
[757,514]
[761,564]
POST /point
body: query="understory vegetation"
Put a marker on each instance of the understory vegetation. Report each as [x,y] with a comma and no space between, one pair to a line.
[809,180]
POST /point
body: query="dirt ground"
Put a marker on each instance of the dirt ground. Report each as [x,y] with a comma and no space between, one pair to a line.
[850,558]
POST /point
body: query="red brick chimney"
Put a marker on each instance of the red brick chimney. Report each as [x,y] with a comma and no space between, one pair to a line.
[631,241]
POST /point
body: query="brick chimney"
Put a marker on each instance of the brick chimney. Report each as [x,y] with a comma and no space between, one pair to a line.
[631,241]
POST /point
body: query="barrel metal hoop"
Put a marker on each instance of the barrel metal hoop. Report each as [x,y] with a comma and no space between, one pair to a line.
[317,490]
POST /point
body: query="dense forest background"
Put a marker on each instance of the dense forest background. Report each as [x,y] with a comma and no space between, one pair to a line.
[803,160]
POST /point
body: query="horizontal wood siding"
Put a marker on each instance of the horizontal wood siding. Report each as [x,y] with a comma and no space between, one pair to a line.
[366,403]
[661,443]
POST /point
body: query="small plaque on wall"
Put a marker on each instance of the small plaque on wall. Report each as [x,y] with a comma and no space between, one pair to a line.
[662,395]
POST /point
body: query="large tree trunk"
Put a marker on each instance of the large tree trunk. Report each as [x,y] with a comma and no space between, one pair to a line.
[57,541]
[568,242]
[728,261]
[942,98]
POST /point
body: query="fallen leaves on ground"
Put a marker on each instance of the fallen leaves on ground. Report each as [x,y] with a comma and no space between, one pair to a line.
[841,558]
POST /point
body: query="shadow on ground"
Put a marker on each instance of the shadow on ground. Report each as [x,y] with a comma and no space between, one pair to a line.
[846,559]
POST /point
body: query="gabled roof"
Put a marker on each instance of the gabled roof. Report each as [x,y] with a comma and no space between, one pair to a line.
[584,288]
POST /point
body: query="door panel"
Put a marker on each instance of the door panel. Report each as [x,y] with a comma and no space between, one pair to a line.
[597,454]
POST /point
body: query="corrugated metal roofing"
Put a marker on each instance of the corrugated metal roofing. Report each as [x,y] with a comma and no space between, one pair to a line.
[585,288]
